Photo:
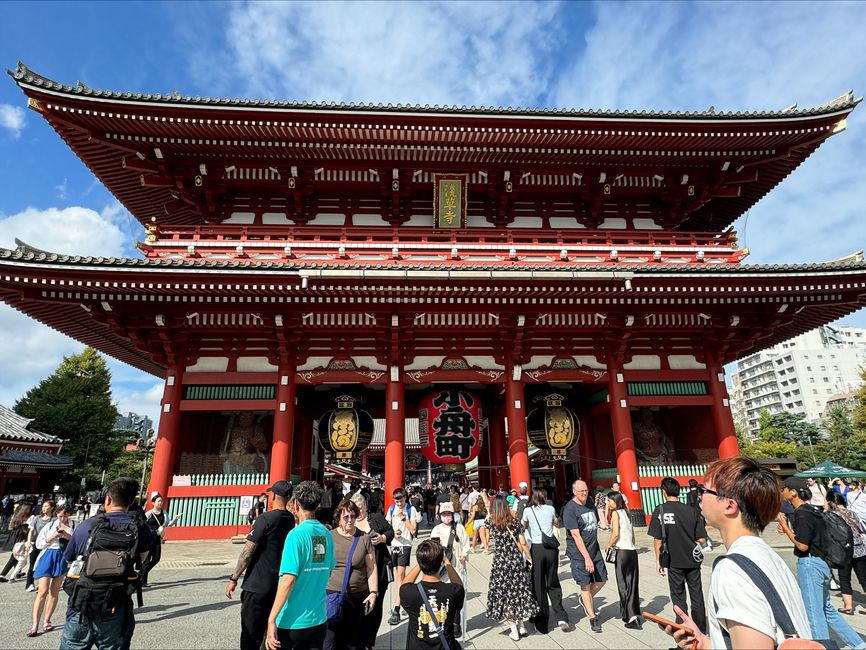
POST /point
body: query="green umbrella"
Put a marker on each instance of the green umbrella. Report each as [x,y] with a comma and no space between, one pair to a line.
[829,469]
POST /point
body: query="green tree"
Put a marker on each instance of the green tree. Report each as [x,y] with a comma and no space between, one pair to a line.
[838,421]
[859,414]
[74,403]
[788,427]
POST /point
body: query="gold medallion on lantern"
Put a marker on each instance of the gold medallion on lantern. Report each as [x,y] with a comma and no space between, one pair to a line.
[346,431]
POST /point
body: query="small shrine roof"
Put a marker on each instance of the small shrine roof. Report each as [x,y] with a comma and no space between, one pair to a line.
[25,75]
[35,459]
[14,427]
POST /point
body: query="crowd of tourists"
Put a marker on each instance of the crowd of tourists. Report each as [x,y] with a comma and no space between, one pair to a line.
[318,561]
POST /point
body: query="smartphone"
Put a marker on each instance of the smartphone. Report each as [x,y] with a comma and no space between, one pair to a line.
[663,621]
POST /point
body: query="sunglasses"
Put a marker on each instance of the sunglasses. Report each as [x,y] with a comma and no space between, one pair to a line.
[703,489]
[349,517]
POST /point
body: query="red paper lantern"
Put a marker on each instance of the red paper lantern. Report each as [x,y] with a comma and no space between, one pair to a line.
[449,426]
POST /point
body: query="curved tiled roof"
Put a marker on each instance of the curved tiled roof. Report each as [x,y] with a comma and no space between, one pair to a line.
[24,75]
[17,428]
[27,254]
[35,459]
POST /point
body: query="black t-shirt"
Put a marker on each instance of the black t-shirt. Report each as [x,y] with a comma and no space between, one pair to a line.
[446,601]
[806,524]
[585,519]
[417,502]
[269,533]
[429,497]
[684,527]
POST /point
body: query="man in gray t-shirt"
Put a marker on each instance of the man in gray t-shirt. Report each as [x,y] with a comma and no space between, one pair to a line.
[582,549]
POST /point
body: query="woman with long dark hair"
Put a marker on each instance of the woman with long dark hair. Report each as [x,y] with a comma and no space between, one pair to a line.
[509,596]
[539,519]
[17,543]
[622,538]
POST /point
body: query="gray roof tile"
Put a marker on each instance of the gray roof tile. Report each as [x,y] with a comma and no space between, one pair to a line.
[17,428]
[34,458]
[24,75]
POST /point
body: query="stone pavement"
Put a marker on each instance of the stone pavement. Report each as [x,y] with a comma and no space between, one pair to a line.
[186,606]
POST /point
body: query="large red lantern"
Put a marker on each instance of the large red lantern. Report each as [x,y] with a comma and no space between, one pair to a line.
[449,426]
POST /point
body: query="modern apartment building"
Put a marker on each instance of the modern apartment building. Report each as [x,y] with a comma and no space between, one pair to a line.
[799,375]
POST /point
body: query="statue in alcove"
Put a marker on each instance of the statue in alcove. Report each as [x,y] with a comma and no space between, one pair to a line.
[651,443]
[245,445]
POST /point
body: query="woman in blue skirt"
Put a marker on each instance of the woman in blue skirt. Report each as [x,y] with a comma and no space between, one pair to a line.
[50,567]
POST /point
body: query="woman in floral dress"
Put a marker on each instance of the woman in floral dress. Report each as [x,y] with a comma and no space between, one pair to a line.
[509,596]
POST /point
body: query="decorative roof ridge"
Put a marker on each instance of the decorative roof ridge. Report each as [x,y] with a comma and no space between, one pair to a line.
[25,76]
[24,253]
[23,248]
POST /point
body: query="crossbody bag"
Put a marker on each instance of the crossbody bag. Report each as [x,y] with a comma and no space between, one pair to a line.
[664,551]
[337,600]
[547,541]
[439,629]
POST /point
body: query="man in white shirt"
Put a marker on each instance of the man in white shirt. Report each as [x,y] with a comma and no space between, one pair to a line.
[819,493]
[404,519]
[856,501]
[739,498]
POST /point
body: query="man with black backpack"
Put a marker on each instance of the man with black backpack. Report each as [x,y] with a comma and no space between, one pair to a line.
[102,556]
[814,547]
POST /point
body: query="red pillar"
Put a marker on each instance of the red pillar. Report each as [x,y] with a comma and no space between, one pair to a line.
[723,421]
[586,449]
[485,475]
[623,437]
[560,484]
[498,457]
[305,450]
[515,412]
[395,435]
[165,450]
[284,424]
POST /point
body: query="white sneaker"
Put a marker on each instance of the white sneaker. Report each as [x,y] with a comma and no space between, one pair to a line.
[514,636]
[563,625]
[522,629]
[31,588]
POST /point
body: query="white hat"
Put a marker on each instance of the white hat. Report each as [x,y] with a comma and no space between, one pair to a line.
[446,507]
[522,484]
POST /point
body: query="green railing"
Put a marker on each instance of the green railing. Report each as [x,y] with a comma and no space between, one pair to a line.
[208,511]
[644,471]
[228,479]
[653,497]
[666,388]
[239,391]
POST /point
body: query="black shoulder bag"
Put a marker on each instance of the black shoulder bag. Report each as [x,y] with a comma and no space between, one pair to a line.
[547,541]
[664,551]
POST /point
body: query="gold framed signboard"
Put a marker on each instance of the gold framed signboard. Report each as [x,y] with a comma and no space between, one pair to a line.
[449,200]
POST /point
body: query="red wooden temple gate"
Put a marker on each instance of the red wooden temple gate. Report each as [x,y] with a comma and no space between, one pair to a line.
[295,252]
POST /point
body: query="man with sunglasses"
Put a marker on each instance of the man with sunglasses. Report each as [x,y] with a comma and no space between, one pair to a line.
[684,532]
[404,519]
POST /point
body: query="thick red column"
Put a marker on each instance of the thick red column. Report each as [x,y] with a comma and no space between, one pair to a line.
[587,451]
[723,421]
[515,412]
[395,435]
[305,450]
[284,424]
[165,450]
[485,476]
[498,455]
[623,437]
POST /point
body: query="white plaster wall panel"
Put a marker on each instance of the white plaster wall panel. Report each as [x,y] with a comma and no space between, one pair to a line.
[276,218]
[526,222]
[477,221]
[368,362]
[564,223]
[685,362]
[590,362]
[613,224]
[536,362]
[241,217]
[643,362]
[645,224]
[209,364]
[425,220]
[485,363]
[255,364]
[328,219]
[314,362]
[422,363]
[369,220]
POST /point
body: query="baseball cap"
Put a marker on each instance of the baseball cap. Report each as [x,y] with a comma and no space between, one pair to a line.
[794,483]
[281,489]
[522,484]
[446,507]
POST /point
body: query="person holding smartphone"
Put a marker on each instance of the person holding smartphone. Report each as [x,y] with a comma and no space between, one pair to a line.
[404,519]
[381,534]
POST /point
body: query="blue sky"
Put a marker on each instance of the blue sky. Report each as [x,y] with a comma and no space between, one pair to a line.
[636,55]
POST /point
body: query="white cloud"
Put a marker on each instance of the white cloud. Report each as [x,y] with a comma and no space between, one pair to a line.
[12,118]
[62,189]
[478,53]
[73,230]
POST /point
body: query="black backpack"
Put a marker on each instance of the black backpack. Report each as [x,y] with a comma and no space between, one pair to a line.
[107,575]
[835,542]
